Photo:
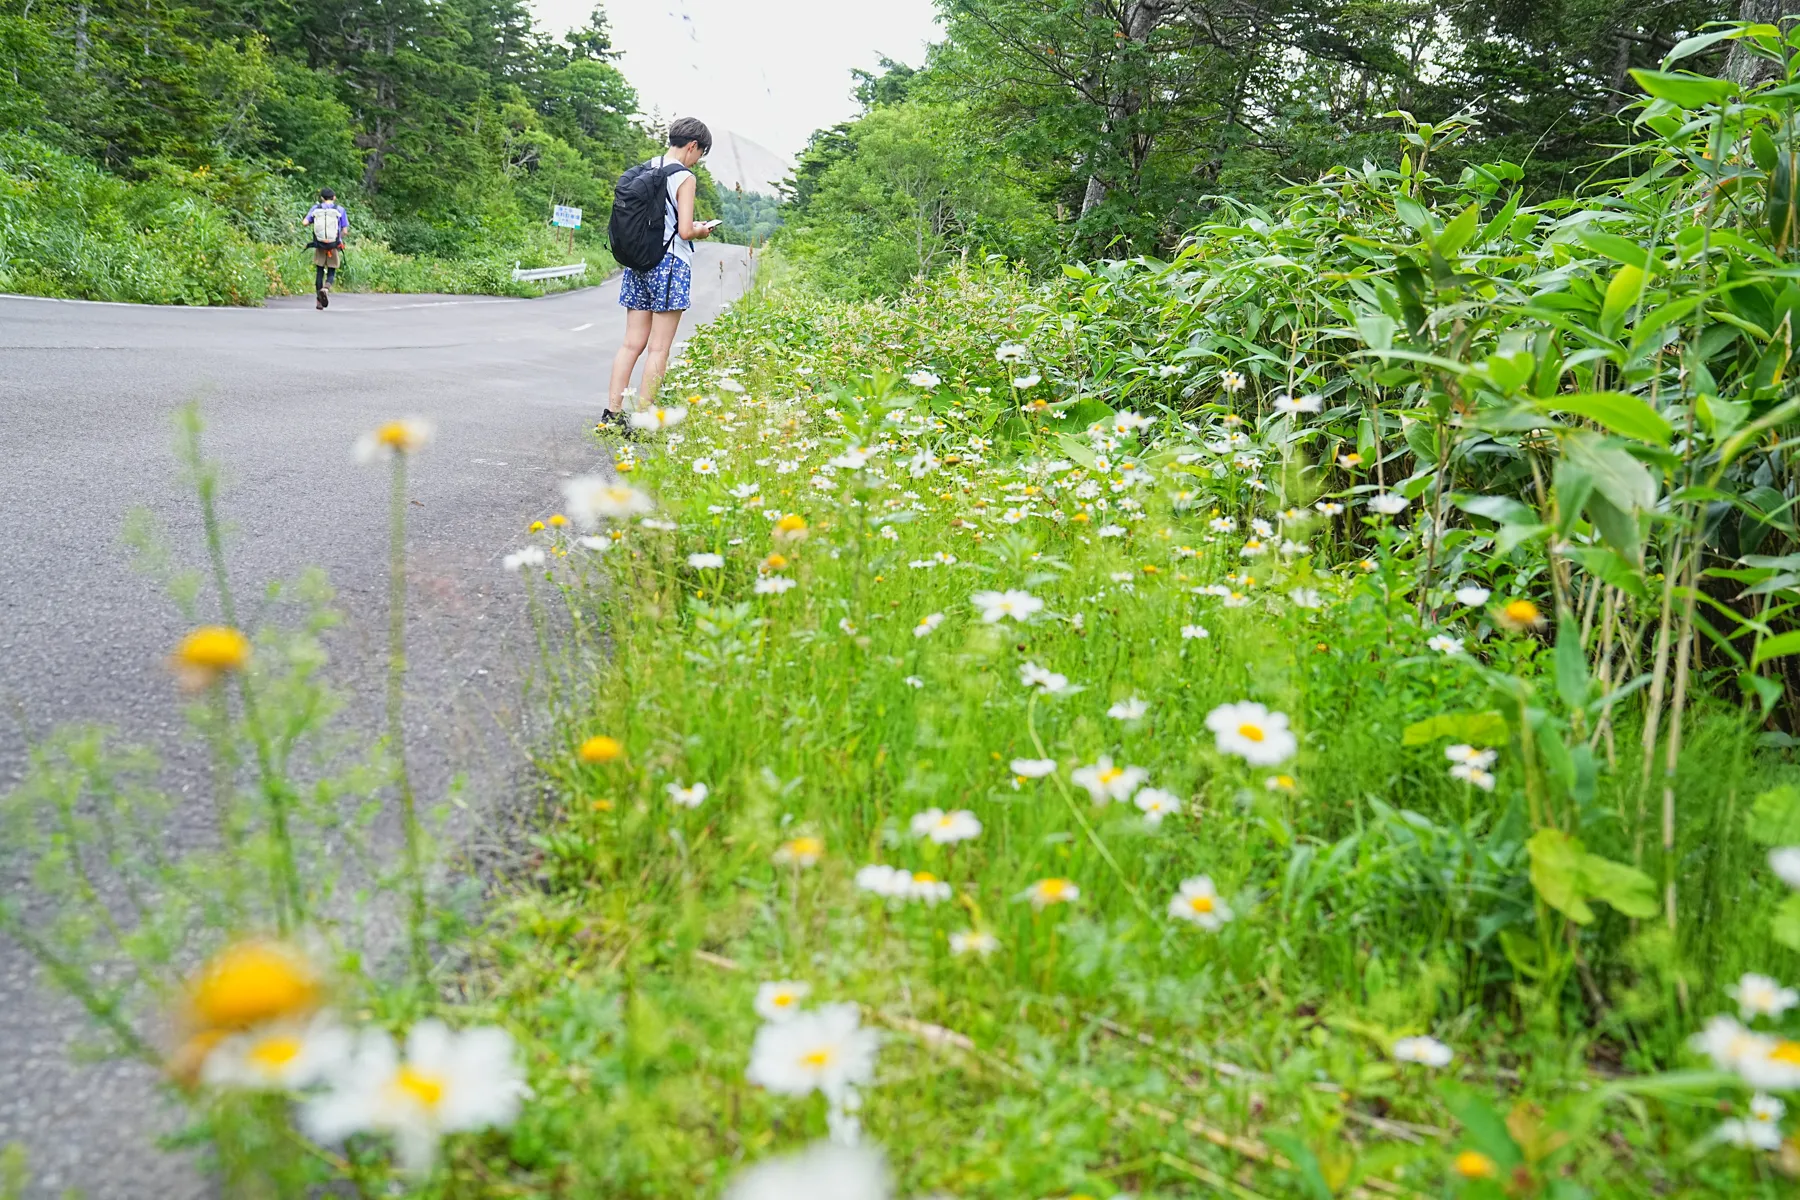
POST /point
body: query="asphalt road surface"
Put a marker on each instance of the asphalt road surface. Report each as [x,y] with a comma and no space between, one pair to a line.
[87,393]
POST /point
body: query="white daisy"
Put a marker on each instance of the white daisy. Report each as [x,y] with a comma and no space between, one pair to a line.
[773,585]
[530,556]
[658,418]
[1306,598]
[1445,644]
[1198,901]
[928,623]
[1106,782]
[1461,753]
[1388,503]
[913,681]
[1025,382]
[1472,774]
[281,1057]
[1156,804]
[706,562]
[883,880]
[1231,381]
[823,1171]
[1011,352]
[1785,862]
[1425,1051]
[1253,733]
[1760,996]
[1049,682]
[924,380]
[780,1001]
[1111,531]
[1193,632]
[591,499]
[974,941]
[705,466]
[1472,597]
[687,797]
[1128,710]
[1033,768]
[997,606]
[946,828]
[446,1082]
[1046,892]
[1330,508]
[405,436]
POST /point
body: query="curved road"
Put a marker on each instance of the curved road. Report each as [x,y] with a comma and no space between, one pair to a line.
[87,393]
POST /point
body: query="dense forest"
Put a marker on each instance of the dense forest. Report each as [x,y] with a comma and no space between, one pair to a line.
[1107,127]
[448,127]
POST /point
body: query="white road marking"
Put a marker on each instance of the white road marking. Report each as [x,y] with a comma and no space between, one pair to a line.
[579,328]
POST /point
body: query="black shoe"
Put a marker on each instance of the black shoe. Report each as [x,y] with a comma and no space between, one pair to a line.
[612,421]
[324,299]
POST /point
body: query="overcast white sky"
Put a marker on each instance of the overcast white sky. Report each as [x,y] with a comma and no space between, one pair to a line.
[769,70]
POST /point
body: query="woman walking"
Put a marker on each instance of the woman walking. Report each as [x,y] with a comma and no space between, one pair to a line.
[655,299]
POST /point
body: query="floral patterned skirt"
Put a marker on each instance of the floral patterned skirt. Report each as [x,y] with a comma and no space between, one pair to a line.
[663,288]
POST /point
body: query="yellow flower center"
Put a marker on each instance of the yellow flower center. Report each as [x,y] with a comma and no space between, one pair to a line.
[274,1053]
[214,648]
[1201,904]
[1111,773]
[782,999]
[1786,1052]
[395,434]
[1284,781]
[806,846]
[791,523]
[253,983]
[1053,889]
[1473,1164]
[946,821]
[1251,733]
[818,1059]
[601,749]
[924,877]
[422,1087]
[775,562]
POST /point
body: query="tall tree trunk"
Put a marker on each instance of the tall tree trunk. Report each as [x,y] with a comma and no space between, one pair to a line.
[1743,67]
[1138,20]
[81,38]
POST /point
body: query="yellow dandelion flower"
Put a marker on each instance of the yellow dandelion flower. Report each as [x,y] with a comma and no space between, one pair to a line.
[535,527]
[601,749]
[214,648]
[1473,1164]
[1520,615]
[557,521]
[252,983]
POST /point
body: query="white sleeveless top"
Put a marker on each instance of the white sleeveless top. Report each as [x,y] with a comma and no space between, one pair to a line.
[679,247]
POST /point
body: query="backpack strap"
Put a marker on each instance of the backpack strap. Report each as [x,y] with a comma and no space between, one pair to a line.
[665,173]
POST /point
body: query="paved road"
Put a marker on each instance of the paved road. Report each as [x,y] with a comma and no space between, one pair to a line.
[86,397]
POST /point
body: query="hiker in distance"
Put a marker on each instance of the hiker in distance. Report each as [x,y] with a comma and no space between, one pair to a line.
[653,232]
[329,222]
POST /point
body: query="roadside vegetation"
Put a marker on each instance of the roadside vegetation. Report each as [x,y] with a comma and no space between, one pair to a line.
[1308,713]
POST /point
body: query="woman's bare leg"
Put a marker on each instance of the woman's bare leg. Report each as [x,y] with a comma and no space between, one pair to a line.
[662,338]
[637,336]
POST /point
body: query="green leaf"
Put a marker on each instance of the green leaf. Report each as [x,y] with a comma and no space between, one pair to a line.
[1377,330]
[1610,567]
[1413,213]
[1687,47]
[1620,250]
[1762,147]
[1721,418]
[1626,888]
[1457,233]
[1623,414]
[1571,664]
[1779,646]
[1774,817]
[1483,1123]
[1616,475]
[1475,728]
[1786,923]
[1684,88]
[1623,292]
[1503,509]
[1556,874]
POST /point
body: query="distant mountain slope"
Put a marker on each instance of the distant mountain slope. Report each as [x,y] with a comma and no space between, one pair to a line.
[737,161]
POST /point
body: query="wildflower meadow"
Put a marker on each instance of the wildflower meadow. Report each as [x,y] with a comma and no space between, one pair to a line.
[1310,716]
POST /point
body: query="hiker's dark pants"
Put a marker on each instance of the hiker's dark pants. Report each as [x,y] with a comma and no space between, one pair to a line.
[324,277]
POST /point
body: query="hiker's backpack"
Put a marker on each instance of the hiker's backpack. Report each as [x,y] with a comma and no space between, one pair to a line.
[328,230]
[640,202]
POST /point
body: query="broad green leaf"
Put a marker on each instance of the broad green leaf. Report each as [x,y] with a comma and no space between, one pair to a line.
[1684,88]
[1574,484]
[1779,646]
[1571,664]
[1687,47]
[1616,475]
[1786,924]
[1626,888]
[1503,509]
[1762,147]
[1610,567]
[1457,233]
[1556,874]
[1623,414]
[1413,213]
[1376,330]
[1620,250]
[1483,1123]
[1774,816]
[1474,728]
[1511,537]
[1623,292]
[1720,418]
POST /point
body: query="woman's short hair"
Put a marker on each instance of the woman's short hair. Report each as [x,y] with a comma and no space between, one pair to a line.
[683,130]
[327,194]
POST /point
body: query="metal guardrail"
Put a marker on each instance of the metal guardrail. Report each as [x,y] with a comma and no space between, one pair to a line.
[579,268]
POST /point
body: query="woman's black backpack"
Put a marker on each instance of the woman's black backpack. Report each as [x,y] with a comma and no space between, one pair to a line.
[640,201]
